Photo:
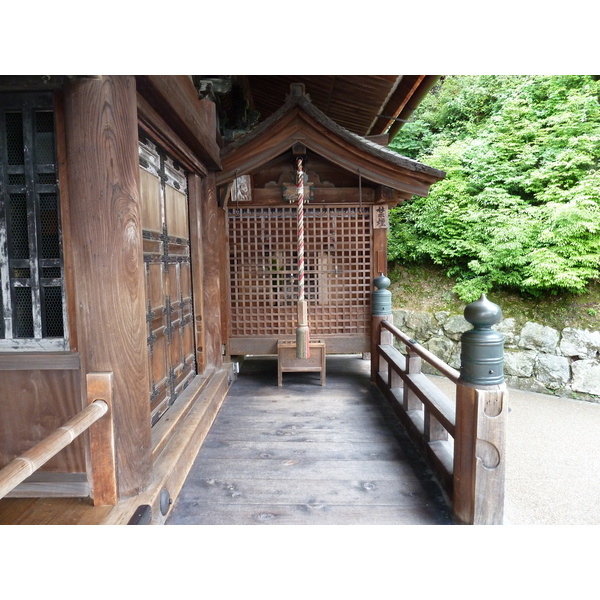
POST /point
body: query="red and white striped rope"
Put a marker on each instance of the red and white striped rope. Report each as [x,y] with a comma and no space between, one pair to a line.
[300,185]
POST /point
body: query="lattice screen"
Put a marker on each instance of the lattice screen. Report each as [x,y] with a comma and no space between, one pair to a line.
[263,266]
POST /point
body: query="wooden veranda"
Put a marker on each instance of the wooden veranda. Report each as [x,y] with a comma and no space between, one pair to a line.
[301,454]
[182,208]
[304,454]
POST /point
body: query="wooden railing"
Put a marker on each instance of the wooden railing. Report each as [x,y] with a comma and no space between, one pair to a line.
[462,438]
[96,418]
[427,413]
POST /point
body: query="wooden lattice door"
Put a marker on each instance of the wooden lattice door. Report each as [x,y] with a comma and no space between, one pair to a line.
[263,273]
[171,347]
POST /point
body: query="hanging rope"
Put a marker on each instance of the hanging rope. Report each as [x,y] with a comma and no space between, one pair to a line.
[302,332]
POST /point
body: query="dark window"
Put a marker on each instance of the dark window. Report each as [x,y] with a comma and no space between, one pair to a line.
[32,306]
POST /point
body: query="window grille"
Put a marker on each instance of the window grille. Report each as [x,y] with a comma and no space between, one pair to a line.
[32,299]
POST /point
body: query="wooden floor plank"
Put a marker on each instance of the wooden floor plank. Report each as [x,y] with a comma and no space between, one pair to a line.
[231,514]
[345,450]
[366,493]
[302,454]
[298,467]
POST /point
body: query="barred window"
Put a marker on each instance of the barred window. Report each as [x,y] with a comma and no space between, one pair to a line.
[32,303]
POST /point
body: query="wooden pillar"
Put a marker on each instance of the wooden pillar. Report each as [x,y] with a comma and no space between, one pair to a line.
[480,455]
[481,414]
[213,250]
[102,158]
[381,310]
[196,198]
[225,287]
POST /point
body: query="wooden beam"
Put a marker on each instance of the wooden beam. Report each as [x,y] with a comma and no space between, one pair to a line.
[409,107]
[194,120]
[159,130]
[408,86]
[272,196]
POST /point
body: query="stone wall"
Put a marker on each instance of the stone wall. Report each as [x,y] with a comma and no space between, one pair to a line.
[536,357]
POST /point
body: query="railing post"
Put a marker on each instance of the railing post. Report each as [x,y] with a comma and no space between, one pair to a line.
[410,401]
[102,442]
[381,310]
[481,409]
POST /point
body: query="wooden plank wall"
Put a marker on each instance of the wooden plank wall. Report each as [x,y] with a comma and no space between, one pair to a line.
[33,404]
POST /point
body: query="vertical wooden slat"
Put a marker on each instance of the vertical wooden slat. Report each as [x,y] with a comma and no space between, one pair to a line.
[102,441]
[433,430]
[413,366]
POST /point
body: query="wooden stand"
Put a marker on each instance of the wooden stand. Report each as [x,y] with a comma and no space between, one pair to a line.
[287,362]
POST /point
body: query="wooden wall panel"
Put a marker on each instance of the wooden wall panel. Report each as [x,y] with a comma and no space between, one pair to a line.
[176,213]
[151,205]
[33,404]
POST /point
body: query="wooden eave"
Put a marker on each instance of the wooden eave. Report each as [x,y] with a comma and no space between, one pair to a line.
[298,120]
[176,100]
[364,104]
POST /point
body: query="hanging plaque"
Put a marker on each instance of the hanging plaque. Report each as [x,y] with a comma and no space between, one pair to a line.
[290,192]
[241,189]
[380,217]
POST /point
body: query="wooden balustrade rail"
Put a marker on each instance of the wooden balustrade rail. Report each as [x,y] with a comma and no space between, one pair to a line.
[428,414]
[463,438]
[25,465]
[432,359]
[97,419]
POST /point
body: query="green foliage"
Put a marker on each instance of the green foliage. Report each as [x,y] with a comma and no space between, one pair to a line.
[520,205]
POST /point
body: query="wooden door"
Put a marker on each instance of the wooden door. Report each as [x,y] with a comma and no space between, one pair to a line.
[171,346]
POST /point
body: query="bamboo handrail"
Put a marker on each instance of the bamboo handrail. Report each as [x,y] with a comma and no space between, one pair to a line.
[25,465]
[445,369]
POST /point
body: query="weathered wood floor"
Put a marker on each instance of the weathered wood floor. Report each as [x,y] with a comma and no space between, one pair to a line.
[303,454]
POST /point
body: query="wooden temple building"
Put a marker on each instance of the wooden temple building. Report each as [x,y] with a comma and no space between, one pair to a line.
[148,237]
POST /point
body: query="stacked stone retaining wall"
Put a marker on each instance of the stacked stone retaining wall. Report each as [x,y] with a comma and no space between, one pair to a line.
[537,358]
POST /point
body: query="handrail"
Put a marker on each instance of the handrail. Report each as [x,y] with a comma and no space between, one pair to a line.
[25,465]
[463,438]
[445,369]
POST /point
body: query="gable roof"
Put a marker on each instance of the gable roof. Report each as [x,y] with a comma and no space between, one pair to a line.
[298,120]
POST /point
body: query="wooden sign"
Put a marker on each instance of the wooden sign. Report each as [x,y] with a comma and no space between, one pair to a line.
[241,190]
[290,192]
[380,217]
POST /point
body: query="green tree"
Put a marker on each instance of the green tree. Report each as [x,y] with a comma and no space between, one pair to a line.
[520,205]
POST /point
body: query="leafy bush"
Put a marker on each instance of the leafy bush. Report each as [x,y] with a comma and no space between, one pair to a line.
[520,205]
